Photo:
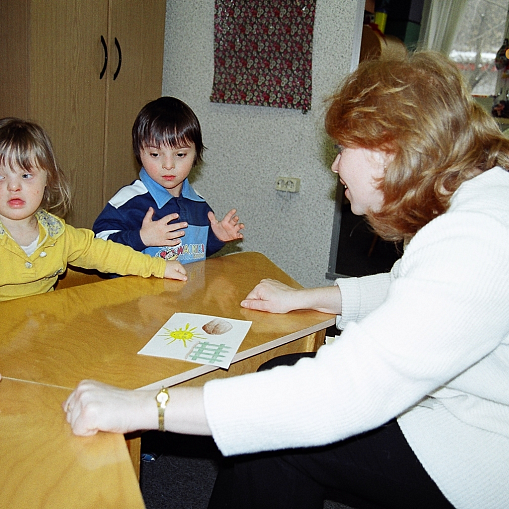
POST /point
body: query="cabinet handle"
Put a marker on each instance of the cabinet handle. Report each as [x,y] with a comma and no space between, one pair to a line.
[117,45]
[105,48]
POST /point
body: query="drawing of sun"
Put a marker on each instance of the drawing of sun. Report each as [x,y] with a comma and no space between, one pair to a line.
[184,335]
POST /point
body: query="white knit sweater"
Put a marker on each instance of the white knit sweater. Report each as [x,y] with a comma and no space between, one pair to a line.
[428,342]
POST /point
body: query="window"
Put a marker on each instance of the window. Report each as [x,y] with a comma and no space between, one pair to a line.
[480,33]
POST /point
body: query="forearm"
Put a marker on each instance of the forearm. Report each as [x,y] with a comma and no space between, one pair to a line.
[275,297]
[112,225]
[213,243]
[361,295]
[185,411]
[325,300]
[94,406]
[112,257]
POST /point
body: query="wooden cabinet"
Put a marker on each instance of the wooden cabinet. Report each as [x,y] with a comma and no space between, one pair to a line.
[52,53]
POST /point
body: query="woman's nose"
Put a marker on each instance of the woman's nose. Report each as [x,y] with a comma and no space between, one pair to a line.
[335,164]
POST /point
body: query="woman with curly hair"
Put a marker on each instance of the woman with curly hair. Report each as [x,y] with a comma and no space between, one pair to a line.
[410,406]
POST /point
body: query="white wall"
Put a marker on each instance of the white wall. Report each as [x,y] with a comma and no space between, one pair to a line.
[249,146]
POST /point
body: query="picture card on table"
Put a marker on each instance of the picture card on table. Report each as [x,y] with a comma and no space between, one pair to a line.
[197,338]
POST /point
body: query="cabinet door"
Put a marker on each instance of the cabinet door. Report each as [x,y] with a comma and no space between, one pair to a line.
[52,56]
[14,68]
[67,95]
[138,28]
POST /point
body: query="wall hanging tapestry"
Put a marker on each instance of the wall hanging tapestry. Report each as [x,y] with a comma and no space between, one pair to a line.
[263,52]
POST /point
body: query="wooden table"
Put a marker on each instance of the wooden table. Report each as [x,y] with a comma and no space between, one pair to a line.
[43,465]
[95,330]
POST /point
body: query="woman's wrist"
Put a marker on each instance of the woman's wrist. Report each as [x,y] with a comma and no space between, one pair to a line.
[324,299]
[184,412]
[144,411]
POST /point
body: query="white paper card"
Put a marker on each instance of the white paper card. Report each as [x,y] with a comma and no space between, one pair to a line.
[202,339]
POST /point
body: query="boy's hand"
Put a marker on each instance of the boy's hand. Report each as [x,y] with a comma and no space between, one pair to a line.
[227,229]
[175,270]
[161,232]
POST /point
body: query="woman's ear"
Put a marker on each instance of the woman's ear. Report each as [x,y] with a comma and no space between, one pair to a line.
[382,160]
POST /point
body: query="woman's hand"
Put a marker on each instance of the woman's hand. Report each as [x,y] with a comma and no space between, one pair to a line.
[272,296]
[276,297]
[94,406]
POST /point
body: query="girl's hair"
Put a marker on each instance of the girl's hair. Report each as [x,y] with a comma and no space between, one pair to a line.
[26,145]
[418,110]
[167,121]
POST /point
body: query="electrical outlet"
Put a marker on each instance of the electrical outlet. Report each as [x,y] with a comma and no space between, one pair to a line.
[288,184]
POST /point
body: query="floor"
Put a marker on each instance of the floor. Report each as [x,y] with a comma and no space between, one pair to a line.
[183,476]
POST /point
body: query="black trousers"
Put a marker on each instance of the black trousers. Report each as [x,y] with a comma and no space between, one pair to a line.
[377,469]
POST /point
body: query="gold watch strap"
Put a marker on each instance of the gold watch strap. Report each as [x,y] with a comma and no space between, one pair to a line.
[162,399]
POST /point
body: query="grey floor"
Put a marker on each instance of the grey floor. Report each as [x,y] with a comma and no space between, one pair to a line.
[183,476]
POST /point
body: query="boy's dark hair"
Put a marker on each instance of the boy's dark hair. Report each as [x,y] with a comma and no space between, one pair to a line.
[167,121]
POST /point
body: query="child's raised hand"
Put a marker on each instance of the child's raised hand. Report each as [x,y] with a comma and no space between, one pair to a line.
[175,270]
[161,232]
[227,229]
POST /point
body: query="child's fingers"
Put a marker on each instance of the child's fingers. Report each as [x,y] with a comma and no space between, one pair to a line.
[230,215]
[176,229]
[170,217]
[180,275]
[148,216]
[175,270]
[212,217]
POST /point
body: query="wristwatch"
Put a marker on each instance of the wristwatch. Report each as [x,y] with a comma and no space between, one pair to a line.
[162,399]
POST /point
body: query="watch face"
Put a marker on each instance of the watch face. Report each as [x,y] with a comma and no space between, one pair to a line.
[162,397]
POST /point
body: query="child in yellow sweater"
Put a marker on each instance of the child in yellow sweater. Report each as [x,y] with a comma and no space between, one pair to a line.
[35,245]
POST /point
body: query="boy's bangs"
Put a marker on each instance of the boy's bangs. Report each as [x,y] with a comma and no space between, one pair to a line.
[172,139]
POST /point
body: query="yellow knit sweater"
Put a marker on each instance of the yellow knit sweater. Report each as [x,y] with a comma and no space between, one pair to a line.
[61,244]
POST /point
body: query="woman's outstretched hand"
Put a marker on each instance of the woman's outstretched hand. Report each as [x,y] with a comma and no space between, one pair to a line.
[272,296]
[94,406]
[276,297]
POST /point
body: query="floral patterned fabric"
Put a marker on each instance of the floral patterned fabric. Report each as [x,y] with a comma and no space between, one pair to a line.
[263,52]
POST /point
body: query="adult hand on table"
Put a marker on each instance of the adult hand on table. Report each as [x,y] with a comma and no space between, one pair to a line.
[272,296]
[94,406]
[276,297]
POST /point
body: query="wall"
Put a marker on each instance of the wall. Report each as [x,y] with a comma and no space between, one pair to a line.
[248,147]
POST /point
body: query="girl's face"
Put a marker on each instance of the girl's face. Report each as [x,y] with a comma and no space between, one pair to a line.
[359,170]
[168,166]
[21,192]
